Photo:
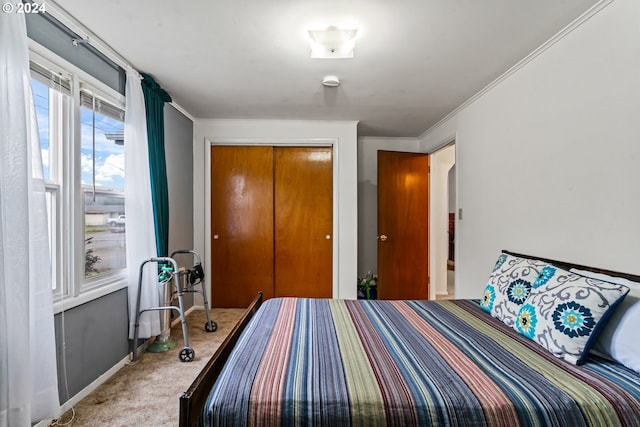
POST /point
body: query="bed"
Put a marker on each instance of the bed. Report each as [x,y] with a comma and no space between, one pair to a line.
[294,361]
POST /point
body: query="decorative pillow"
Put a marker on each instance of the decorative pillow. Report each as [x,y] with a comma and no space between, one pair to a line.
[509,285]
[618,339]
[565,311]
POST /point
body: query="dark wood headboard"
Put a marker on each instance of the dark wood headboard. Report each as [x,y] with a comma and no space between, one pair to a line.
[568,265]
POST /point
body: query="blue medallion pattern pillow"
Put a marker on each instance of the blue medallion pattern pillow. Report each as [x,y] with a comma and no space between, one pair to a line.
[509,285]
[565,311]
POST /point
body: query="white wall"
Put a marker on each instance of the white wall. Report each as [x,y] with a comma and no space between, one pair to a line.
[440,163]
[340,134]
[548,159]
[368,195]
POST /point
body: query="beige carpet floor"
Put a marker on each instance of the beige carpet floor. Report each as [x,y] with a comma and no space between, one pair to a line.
[146,393]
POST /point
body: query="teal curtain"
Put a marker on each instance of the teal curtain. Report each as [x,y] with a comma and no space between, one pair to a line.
[154,99]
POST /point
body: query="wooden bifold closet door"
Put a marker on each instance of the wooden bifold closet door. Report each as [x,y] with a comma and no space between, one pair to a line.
[271,223]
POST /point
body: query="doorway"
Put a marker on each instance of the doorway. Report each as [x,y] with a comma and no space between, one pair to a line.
[443,222]
[403,225]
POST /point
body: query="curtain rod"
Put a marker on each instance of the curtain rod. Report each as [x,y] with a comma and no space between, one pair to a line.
[88,37]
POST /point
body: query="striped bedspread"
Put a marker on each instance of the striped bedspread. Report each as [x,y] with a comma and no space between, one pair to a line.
[429,363]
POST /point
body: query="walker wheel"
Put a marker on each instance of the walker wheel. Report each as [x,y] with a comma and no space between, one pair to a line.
[186,354]
[211,326]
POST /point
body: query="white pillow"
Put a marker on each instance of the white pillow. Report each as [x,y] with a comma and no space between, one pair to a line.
[618,339]
[565,312]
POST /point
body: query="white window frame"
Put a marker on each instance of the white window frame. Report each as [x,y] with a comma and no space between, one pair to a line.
[53,204]
[68,246]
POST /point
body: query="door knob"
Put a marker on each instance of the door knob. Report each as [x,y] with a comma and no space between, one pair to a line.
[383,238]
[216,236]
[327,236]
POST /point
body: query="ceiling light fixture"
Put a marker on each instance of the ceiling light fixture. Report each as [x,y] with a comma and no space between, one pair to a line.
[332,43]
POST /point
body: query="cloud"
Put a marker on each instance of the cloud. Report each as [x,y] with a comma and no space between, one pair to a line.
[109,172]
[86,165]
[112,167]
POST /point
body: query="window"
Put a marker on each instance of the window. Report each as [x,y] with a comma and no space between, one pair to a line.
[48,147]
[102,161]
[81,128]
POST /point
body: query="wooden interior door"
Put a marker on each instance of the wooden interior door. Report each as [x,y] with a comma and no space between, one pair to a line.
[403,225]
[241,224]
[303,221]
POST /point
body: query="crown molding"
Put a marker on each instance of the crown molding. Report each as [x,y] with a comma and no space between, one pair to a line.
[594,10]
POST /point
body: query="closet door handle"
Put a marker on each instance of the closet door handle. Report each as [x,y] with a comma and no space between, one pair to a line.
[216,236]
[327,236]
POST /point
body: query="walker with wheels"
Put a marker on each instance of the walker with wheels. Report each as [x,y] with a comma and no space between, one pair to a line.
[167,275]
[183,281]
[192,277]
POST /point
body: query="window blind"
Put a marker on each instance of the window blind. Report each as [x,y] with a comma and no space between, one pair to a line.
[53,79]
[102,106]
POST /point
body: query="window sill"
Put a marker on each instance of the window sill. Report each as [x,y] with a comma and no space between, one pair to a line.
[69,302]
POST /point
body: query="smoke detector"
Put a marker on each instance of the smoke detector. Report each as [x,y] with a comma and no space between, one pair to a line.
[331,81]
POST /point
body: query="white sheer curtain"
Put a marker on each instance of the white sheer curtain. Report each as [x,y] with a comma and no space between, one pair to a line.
[28,376]
[141,237]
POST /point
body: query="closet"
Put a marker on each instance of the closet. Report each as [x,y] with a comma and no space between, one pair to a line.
[271,223]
